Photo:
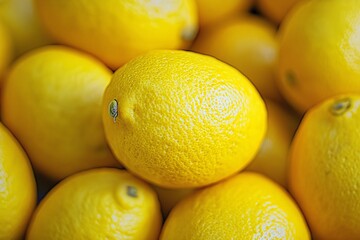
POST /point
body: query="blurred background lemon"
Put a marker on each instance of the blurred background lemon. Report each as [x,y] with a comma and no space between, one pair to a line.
[6,50]
[319,52]
[17,187]
[248,43]
[275,10]
[272,158]
[214,11]
[23,25]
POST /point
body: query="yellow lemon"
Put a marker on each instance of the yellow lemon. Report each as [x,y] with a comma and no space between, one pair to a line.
[213,11]
[319,51]
[17,187]
[276,10]
[249,44]
[23,25]
[180,119]
[6,50]
[170,197]
[52,103]
[272,158]
[98,204]
[246,206]
[324,174]
[116,31]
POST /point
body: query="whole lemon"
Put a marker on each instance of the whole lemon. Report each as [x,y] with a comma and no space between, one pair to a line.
[324,173]
[51,101]
[180,119]
[17,187]
[116,31]
[98,204]
[319,51]
[246,206]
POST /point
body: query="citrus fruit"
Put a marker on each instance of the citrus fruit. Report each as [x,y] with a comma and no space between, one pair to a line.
[52,103]
[180,119]
[319,51]
[245,206]
[6,50]
[276,10]
[272,158]
[98,204]
[249,44]
[324,173]
[214,11]
[23,25]
[116,31]
[17,187]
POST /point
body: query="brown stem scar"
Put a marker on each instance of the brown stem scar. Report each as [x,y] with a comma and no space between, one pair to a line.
[340,106]
[291,78]
[131,191]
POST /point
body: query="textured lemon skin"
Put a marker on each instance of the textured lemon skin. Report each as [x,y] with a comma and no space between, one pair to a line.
[17,187]
[183,119]
[116,31]
[324,172]
[97,205]
[51,101]
[245,206]
[319,52]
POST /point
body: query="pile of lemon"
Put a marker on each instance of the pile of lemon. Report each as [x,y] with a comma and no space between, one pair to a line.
[179,119]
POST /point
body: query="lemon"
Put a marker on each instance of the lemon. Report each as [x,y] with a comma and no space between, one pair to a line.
[272,158]
[17,187]
[98,204]
[249,44]
[116,31]
[180,119]
[324,170]
[214,11]
[52,103]
[22,23]
[319,51]
[245,206]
